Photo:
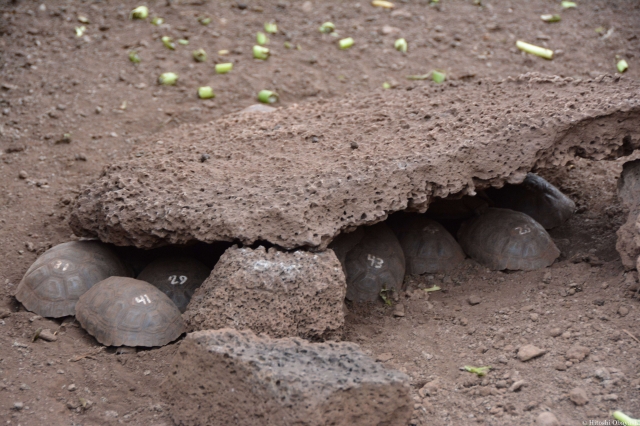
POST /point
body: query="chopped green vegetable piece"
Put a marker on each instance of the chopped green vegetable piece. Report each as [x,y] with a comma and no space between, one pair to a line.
[535,50]
[168,43]
[383,296]
[568,4]
[386,85]
[288,45]
[270,27]
[624,419]
[480,371]
[267,96]
[600,30]
[383,4]
[83,19]
[204,20]
[133,57]
[438,76]
[327,27]
[622,65]
[345,43]
[434,288]
[401,45]
[419,77]
[261,38]
[140,12]
[157,21]
[80,30]
[200,55]
[550,18]
[224,68]
[183,41]
[223,52]
[206,92]
[260,52]
[168,79]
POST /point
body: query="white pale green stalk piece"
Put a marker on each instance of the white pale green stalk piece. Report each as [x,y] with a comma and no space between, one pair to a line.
[260,52]
[206,92]
[622,66]
[624,419]
[168,79]
[401,45]
[224,68]
[267,96]
[140,12]
[534,50]
[346,43]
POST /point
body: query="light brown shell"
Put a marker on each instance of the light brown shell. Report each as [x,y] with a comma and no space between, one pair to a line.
[177,277]
[428,247]
[127,312]
[52,285]
[505,239]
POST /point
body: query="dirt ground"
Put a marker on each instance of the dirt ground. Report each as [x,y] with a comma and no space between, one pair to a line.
[54,83]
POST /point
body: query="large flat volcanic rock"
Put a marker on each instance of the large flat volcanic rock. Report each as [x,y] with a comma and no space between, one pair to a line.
[298,176]
[227,377]
[298,294]
[628,244]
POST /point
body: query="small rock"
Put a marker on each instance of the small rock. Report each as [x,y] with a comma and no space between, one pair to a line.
[398,310]
[610,397]
[485,391]
[23,174]
[111,413]
[555,332]
[387,29]
[623,311]
[354,145]
[578,396]
[516,386]
[47,335]
[73,404]
[501,384]
[577,352]
[18,405]
[527,352]
[547,419]
[4,313]
[560,366]
[474,300]
[430,388]
[24,386]
[72,387]
[534,317]
[384,357]
[547,277]
[307,6]
[604,286]
[603,374]
[464,322]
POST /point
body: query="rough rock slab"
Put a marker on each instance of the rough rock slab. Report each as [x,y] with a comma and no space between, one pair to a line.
[278,293]
[228,377]
[628,244]
[291,177]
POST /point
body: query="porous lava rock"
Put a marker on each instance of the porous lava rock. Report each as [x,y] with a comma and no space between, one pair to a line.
[628,244]
[298,176]
[273,292]
[229,377]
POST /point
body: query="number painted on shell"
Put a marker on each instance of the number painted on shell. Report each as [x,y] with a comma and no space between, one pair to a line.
[144,299]
[524,229]
[376,262]
[177,280]
[61,265]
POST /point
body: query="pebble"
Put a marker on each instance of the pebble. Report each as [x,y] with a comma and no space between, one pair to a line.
[72,387]
[534,317]
[555,332]
[610,397]
[517,385]
[623,311]
[398,311]
[111,413]
[47,335]
[464,322]
[18,405]
[23,174]
[547,277]
[4,313]
[430,388]
[578,396]
[474,300]
[384,357]
[527,352]
[24,386]
[603,374]
[577,352]
[560,366]
[547,419]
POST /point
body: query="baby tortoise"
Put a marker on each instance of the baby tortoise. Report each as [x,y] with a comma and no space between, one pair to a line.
[127,312]
[537,198]
[52,285]
[374,264]
[428,247]
[505,239]
[177,277]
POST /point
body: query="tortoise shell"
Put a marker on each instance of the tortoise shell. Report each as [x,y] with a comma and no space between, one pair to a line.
[177,277]
[505,239]
[537,198]
[374,264]
[128,312]
[343,244]
[428,247]
[52,285]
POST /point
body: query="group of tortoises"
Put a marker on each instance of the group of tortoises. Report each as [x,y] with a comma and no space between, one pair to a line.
[505,230]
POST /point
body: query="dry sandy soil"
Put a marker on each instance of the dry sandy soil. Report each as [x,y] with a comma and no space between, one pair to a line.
[53,83]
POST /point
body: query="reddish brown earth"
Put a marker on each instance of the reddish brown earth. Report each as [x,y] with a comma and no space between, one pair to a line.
[53,83]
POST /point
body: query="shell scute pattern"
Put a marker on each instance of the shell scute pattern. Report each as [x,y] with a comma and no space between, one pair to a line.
[128,312]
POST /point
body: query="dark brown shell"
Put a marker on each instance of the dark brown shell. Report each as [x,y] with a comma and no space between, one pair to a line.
[52,285]
[127,312]
[537,198]
[428,247]
[375,263]
[177,277]
[505,239]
